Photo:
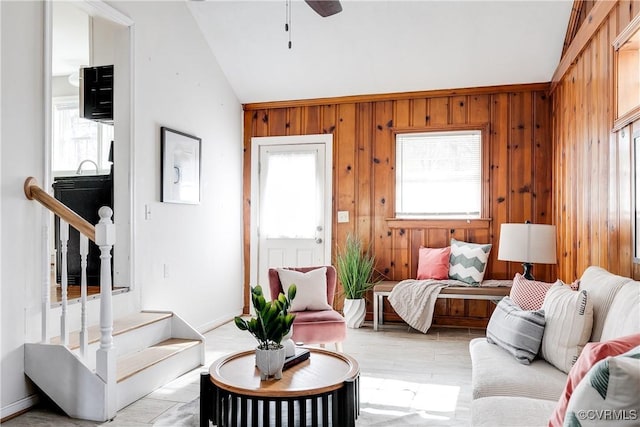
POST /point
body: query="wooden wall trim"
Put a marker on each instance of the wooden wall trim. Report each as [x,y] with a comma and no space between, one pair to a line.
[574,24]
[484,90]
[449,224]
[594,20]
[627,33]
[626,119]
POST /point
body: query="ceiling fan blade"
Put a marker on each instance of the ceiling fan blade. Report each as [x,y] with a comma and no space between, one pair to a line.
[325,8]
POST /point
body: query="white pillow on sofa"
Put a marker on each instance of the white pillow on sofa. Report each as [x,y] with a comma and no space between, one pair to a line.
[609,394]
[311,288]
[568,317]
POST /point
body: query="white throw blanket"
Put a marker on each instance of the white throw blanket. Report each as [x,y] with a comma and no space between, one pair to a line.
[414,300]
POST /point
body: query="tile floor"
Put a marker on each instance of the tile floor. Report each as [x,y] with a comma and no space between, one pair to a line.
[407,378]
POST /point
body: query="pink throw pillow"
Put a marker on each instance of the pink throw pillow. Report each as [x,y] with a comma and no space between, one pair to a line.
[591,354]
[433,263]
[528,294]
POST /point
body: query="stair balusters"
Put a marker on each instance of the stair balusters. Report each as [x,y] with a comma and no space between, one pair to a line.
[64,238]
[84,333]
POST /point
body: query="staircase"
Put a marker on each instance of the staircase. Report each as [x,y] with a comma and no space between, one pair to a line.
[97,370]
[152,348]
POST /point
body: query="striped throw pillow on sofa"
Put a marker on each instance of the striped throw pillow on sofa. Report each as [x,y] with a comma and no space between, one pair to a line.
[517,331]
[569,318]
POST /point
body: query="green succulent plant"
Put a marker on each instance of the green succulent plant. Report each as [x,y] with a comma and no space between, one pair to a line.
[272,319]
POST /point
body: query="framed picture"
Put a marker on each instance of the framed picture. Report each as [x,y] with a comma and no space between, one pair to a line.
[180,167]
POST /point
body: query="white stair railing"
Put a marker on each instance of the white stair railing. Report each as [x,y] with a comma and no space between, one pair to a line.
[103,234]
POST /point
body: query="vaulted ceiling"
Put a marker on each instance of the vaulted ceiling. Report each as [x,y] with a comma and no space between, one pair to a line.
[381,46]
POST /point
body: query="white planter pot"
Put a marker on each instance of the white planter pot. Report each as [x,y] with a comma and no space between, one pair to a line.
[270,363]
[354,311]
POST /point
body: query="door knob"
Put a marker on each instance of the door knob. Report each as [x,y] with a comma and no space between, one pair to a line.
[318,240]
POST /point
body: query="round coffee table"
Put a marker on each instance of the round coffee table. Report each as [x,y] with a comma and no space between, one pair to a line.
[322,390]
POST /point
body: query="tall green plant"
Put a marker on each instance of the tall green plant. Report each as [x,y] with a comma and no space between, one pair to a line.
[355,268]
[272,321]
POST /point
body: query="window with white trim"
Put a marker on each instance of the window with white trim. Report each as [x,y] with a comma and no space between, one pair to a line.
[76,139]
[439,174]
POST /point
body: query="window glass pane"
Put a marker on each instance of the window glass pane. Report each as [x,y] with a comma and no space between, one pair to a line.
[290,201]
[438,174]
[76,139]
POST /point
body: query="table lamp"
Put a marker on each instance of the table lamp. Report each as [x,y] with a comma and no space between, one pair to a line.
[528,243]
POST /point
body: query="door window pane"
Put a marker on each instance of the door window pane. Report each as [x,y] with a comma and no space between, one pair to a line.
[290,200]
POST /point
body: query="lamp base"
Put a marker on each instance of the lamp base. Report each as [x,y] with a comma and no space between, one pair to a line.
[527,271]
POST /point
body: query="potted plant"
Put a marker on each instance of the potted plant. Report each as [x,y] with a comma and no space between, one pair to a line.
[271,323]
[355,272]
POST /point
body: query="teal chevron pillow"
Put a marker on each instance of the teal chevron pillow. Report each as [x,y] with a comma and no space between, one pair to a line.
[468,261]
[609,394]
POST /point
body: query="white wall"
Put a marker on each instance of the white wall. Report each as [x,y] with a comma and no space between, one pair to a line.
[178,84]
[22,134]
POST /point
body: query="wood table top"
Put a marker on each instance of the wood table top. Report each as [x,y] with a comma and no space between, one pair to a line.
[322,372]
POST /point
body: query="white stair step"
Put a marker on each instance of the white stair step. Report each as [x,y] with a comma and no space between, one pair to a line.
[129,365]
[120,326]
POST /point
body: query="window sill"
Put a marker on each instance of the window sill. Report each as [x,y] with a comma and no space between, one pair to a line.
[450,223]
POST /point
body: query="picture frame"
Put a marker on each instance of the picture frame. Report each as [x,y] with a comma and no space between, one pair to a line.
[180,154]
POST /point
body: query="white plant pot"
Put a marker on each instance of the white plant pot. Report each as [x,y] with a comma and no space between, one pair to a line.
[270,363]
[354,311]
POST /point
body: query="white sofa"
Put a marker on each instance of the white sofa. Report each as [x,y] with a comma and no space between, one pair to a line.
[507,393]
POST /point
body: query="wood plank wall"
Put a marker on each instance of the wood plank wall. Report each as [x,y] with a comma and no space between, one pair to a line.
[592,164]
[517,174]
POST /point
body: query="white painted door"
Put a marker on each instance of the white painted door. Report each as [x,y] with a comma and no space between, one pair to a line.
[293,215]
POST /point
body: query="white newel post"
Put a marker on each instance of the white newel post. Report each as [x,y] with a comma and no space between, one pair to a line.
[106,355]
[64,238]
[84,334]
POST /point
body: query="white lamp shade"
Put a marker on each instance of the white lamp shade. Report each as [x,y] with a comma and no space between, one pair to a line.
[530,243]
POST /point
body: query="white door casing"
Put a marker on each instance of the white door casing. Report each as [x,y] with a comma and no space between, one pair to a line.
[291,203]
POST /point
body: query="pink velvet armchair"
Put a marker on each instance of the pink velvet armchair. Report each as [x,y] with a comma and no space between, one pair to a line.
[315,326]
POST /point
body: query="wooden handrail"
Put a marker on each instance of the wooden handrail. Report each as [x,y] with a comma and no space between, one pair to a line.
[34,192]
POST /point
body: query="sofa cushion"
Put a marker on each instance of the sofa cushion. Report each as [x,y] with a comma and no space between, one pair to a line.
[613,385]
[468,261]
[510,411]
[592,353]
[517,331]
[495,372]
[627,301]
[602,287]
[319,327]
[433,263]
[568,316]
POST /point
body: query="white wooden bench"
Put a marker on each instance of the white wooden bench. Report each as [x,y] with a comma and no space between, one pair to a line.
[498,290]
